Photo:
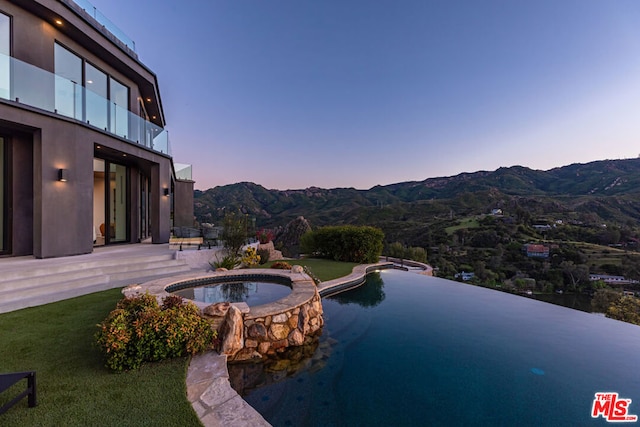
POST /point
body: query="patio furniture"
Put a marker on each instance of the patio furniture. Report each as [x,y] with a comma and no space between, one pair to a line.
[8,380]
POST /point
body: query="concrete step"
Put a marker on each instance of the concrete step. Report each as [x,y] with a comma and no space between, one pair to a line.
[30,282]
[17,298]
[121,270]
[43,268]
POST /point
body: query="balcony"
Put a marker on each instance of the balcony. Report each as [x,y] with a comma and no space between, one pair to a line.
[29,85]
[103,21]
[183,171]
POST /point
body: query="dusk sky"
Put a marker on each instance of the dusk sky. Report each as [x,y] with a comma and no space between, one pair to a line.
[355,93]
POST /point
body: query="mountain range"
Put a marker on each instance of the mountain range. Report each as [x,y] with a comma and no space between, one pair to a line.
[600,191]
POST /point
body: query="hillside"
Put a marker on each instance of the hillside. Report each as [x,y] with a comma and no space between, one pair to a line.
[602,191]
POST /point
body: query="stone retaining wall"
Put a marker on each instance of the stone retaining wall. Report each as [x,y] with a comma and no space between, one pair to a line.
[270,333]
[254,332]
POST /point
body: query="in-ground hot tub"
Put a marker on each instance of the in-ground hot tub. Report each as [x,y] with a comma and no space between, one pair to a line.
[250,332]
[254,290]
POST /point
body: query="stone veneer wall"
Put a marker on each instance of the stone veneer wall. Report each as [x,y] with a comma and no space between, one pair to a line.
[265,334]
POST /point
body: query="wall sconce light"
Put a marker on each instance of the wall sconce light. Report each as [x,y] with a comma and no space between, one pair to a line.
[165,191]
[63,175]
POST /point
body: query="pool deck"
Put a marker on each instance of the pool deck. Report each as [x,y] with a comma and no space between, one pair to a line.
[208,387]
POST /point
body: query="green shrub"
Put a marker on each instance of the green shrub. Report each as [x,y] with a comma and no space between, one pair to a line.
[415,253]
[139,331]
[347,243]
[281,265]
[264,256]
[229,262]
[396,250]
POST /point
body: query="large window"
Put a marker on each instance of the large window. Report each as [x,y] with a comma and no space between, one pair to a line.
[5,52]
[119,95]
[86,93]
[68,83]
[96,93]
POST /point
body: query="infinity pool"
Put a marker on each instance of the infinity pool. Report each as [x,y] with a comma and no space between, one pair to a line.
[411,350]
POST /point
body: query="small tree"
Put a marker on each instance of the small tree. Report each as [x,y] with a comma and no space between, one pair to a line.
[234,234]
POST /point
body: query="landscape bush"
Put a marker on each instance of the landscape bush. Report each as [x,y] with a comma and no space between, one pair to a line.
[281,265]
[264,256]
[415,253]
[228,261]
[139,331]
[347,243]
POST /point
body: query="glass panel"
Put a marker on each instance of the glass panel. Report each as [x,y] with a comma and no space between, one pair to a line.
[183,171]
[68,69]
[35,87]
[2,184]
[96,95]
[99,223]
[5,37]
[119,108]
[118,202]
[103,20]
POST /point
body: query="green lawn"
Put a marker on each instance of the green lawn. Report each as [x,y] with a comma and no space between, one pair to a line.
[74,388]
[324,269]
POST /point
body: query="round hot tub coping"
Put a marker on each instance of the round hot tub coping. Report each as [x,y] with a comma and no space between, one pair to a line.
[302,288]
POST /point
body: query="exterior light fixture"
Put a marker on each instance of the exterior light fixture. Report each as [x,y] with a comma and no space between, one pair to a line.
[58,22]
[165,191]
[63,175]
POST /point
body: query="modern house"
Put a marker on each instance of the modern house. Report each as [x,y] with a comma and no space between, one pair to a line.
[85,158]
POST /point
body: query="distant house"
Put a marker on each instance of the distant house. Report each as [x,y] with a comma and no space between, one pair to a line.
[544,227]
[465,276]
[612,280]
[496,211]
[536,251]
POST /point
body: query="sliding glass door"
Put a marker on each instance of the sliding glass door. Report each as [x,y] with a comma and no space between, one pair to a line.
[117,202]
[110,202]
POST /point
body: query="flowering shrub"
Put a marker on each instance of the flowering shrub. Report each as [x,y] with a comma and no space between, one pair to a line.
[250,257]
[264,235]
[281,265]
[139,331]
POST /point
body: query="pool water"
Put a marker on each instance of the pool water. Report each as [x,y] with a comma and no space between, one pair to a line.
[253,293]
[406,349]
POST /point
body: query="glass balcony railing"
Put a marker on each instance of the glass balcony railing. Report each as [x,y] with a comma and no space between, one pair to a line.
[104,21]
[183,171]
[33,86]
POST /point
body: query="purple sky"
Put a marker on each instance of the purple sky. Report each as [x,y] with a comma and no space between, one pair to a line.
[354,93]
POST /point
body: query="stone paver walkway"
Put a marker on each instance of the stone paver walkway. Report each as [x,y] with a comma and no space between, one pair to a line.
[213,399]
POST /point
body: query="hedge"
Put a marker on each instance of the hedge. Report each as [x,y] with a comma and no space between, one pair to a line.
[348,243]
